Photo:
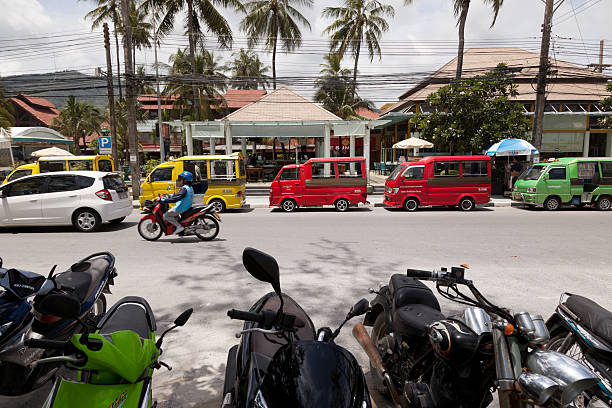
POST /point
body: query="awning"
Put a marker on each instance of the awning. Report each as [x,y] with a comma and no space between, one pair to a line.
[37,135]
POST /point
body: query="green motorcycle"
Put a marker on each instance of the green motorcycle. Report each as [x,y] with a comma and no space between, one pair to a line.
[115,363]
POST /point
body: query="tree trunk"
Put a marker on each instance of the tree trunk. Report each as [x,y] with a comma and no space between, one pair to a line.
[77,148]
[462,20]
[190,34]
[283,149]
[274,50]
[118,61]
[273,148]
[134,56]
[354,90]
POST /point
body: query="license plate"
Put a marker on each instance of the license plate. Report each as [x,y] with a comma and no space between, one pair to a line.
[217,216]
[123,194]
[517,196]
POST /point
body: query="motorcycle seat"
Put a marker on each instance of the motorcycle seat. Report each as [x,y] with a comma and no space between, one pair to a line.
[407,291]
[412,320]
[83,277]
[128,316]
[594,317]
[191,211]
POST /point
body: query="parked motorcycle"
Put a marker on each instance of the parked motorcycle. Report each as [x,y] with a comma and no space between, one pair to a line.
[278,362]
[21,318]
[426,359]
[582,329]
[202,221]
[115,363]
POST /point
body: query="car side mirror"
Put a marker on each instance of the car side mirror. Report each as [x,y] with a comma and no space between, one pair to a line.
[262,267]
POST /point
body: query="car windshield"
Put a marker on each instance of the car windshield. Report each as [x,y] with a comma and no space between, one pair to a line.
[533,173]
[396,172]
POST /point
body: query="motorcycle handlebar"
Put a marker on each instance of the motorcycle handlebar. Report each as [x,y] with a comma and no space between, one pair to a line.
[46,344]
[419,274]
[248,316]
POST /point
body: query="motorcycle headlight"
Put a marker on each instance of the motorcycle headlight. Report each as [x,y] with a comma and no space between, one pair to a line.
[4,328]
[260,401]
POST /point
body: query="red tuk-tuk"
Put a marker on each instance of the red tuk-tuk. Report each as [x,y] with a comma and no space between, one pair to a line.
[462,181]
[339,181]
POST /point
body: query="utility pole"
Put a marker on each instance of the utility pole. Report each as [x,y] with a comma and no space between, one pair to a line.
[159,110]
[600,67]
[131,101]
[111,95]
[536,137]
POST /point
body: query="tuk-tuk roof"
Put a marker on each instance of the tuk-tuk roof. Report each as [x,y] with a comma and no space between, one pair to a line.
[52,158]
[329,159]
[430,159]
[209,157]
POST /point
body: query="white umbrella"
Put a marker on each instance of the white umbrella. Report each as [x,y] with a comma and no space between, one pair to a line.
[51,151]
[413,143]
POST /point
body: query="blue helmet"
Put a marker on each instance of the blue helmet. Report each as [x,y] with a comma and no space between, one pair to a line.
[187,176]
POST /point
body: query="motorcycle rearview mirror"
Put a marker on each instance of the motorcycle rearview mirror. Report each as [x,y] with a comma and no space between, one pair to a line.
[262,267]
[182,319]
[1,262]
[359,308]
[178,322]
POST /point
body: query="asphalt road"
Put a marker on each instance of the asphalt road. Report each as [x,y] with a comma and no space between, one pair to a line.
[521,259]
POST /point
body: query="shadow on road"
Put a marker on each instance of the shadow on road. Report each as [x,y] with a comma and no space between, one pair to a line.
[106,227]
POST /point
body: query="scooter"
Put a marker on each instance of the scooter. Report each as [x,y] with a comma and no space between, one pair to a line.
[202,221]
[281,362]
[582,329]
[115,363]
[21,318]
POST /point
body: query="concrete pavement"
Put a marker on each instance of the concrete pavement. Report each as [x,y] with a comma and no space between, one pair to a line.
[521,259]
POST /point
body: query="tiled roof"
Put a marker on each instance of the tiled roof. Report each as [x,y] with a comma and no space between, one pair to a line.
[282,104]
[367,113]
[237,98]
[40,108]
[570,83]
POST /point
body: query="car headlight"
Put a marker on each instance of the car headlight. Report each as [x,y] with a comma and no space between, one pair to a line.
[532,189]
[260,401]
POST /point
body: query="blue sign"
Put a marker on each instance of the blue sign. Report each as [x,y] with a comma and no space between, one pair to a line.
[105,145]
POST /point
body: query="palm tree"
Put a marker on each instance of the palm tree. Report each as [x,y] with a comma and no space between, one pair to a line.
[107,10]
[166,12]
[77,120]
[208,92]
[248,72]
[267,20]
[143,86]
[335,90]
[461,8]
[356,22]
[141,30]
[6,112]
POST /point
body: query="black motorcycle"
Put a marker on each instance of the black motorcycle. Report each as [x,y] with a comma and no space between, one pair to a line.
[20,319]
[426,359]
[582,329]
[280,361]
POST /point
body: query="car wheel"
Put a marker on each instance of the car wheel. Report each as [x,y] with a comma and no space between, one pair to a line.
[86,220]
[117,220]
[288,205]
[552,204]
[341,204]
[604,203]
[218,205]
[466,204]
[411,204]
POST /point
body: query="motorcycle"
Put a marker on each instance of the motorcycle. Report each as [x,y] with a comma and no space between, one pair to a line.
[425,359]
[115,362]
[280,361]
[202,221]
[21,318]
[582,329]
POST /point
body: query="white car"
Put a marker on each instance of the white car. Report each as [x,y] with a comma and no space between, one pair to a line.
[84,199]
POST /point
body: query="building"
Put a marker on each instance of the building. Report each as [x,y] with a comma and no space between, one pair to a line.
[25,140]
[571,114]
[33,111]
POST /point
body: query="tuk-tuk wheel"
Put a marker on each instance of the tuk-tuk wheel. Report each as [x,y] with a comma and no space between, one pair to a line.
[288,205]
[341,204]
[411,204]
[604,203]
[552,204]
[466,204]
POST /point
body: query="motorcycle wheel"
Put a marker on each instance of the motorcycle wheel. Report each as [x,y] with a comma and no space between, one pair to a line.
[211,228]
[378,333]
[574,351]
[149,229]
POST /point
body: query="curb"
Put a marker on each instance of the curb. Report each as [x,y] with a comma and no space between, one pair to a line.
[379,205]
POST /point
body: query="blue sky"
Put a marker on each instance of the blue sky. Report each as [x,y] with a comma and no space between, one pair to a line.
[416,25]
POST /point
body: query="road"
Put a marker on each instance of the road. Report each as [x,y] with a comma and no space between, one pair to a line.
[521,259]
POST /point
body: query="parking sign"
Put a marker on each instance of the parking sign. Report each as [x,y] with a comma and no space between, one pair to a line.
[105,145]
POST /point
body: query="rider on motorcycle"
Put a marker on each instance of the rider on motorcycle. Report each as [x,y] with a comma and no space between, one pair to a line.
[183,200]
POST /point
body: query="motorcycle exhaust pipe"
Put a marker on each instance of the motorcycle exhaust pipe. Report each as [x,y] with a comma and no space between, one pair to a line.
[362,336]
[572,377]
[538,387]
